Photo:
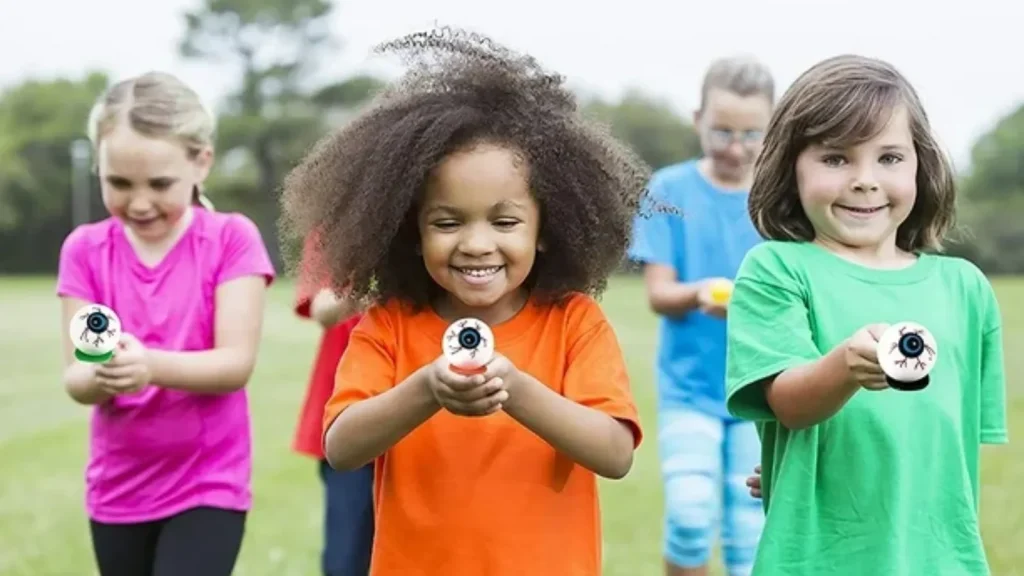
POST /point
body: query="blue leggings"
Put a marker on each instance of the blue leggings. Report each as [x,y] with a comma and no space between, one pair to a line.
[705,462]
[348,521]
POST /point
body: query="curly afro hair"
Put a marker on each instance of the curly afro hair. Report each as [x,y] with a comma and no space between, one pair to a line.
[354,199]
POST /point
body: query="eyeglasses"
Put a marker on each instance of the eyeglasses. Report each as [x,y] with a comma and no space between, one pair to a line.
[722,138]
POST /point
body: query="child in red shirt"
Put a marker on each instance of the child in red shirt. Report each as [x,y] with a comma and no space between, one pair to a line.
[348,496]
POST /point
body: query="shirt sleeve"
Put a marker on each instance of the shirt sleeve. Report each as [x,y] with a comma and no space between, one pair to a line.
[74,273]
[652,231]
[768,331]
[993,375]
[244,253]
[367,367]
[596,374]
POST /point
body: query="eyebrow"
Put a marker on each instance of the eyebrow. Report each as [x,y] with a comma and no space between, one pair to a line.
[160,179]
[447,208]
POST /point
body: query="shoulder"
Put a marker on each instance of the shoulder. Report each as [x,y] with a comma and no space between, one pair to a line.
[669,178]
[88,237]
[383,320]
[776,262]
[578,314]
[971,280]
[227,227]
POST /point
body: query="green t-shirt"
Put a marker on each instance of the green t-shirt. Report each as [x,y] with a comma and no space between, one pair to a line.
[889,485]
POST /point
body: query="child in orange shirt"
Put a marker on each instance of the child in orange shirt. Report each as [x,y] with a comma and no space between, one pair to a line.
[472,188]
[348,494]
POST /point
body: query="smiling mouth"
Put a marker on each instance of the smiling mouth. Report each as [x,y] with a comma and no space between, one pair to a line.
[863,209]
[478,272]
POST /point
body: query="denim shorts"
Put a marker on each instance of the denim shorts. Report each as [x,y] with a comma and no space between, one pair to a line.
[348,520]
[705,462]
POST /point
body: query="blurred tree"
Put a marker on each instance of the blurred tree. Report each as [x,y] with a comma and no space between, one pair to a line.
[39,119]
[277,110]
[992,199]
[650,126]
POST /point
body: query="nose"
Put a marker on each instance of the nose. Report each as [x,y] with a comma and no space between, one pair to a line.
[477,240]
[139,204]
[865,181]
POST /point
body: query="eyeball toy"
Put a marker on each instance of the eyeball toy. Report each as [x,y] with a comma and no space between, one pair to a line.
[907,353]
[468,344]
[95,331]
[721,291]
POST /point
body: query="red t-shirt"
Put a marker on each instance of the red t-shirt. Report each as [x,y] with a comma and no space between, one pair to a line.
[309,434]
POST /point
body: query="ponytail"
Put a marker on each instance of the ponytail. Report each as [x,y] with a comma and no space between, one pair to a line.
[200,199]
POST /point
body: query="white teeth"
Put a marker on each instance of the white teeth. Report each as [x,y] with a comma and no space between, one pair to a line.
[480,272]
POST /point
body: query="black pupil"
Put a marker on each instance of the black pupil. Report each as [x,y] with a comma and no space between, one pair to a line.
[469,338]
[911,345]
[97,322]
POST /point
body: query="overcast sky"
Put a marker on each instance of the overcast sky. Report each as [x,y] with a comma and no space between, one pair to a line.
[963,57]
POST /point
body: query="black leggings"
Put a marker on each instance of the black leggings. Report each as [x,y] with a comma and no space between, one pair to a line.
[196,542]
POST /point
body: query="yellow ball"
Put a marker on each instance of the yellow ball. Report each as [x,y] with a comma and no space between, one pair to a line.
[721,291]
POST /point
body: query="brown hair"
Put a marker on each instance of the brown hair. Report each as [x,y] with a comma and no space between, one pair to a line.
[841,102]
[358,191]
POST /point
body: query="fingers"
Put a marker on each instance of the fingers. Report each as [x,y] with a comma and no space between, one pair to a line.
[474,394]
[112,371]
[481,407]
[459,382]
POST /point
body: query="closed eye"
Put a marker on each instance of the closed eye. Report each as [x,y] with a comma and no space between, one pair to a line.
[445,225]
[506,223]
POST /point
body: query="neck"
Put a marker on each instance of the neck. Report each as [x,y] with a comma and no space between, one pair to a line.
[885,255]
[451,309]
[172,236]
[724,183]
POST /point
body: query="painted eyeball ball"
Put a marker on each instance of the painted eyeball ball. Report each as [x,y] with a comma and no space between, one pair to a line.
[907,352]
[468,343]
[95,331]
[721,291]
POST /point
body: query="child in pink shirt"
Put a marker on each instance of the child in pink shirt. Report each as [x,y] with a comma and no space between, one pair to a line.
[168,476]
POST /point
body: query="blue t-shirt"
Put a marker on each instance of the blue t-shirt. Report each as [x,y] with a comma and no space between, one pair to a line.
[709,240]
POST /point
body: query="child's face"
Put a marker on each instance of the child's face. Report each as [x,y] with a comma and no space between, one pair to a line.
[857,197]
[731,129]
[479,226]
[147,182]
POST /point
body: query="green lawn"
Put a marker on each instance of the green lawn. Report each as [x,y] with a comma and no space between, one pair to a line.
[43,530]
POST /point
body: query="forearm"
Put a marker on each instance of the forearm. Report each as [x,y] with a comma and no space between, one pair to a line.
[79,382]
[674,298]
[367,429]
[806,395]
[217,371]
[590,437]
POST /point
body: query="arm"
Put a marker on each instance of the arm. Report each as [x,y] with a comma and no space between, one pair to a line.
[328,309]
[599,442]
[79,377]
[666,295]
[228,366]
[805,395]
[368,428]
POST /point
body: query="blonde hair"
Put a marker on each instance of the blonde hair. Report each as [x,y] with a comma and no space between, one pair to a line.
[742,75]
[157,105]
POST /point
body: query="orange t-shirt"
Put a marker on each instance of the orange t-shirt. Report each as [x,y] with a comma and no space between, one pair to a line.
[485,496]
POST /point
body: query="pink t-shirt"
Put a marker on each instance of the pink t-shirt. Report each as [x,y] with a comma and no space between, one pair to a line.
[159,451]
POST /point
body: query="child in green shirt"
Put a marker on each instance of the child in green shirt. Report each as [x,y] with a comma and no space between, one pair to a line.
[850,191]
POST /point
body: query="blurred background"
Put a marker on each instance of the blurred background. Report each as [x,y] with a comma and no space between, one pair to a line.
[281,73]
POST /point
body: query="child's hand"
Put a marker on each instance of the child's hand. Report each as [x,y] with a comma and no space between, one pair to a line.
[465,395]
[127,371]
[706,301]
[754,482]
[862,358]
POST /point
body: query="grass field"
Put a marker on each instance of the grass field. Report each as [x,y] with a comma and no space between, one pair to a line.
[43,531]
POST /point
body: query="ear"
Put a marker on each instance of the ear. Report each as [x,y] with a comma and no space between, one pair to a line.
[540,246]
[696,119]
[204,162]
